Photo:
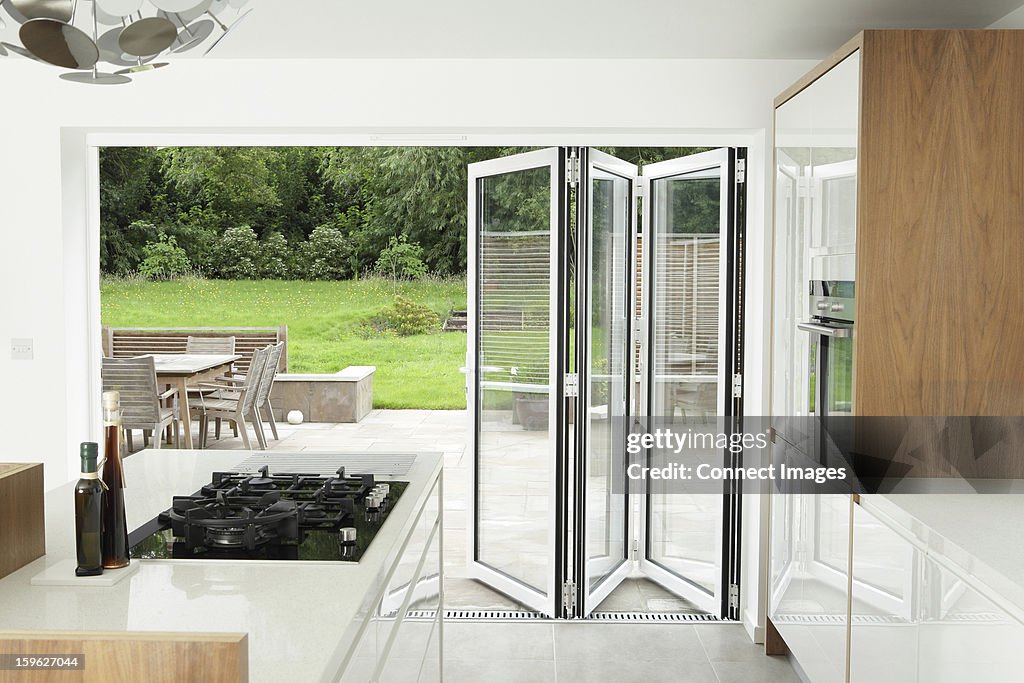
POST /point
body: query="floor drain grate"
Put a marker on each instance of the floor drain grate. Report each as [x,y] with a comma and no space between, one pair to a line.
[477,615]
[869,619]
[523,615]
[652,618]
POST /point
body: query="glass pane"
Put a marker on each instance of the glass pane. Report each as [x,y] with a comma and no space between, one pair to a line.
[686,280]
[514,438]
[840,376]
[609,281]
[684,532]
[815,221]
[684,536]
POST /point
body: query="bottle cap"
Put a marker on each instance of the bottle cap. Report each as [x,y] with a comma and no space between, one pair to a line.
[89,452]
[111,399]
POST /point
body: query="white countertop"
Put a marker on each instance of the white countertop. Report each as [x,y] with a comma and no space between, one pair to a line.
[296,613]
[976,536]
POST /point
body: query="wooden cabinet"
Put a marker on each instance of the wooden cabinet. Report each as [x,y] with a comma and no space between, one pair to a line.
[931,120]
[22,534]
[899,165]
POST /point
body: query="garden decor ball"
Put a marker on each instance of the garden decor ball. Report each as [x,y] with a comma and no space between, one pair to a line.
[294,417]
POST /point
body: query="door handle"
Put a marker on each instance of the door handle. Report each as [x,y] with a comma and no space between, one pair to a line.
[824,330]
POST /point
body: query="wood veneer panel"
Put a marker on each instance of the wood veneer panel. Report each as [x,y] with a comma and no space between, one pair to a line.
[940,246]
[22,522]
[150,657]
[774,644]
[821,69]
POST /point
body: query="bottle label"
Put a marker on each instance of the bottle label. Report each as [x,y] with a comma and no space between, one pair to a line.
[90,475]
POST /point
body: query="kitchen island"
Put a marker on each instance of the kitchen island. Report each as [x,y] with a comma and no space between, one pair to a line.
[306,621]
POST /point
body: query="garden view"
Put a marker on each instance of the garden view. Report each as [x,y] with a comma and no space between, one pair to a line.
[360,251]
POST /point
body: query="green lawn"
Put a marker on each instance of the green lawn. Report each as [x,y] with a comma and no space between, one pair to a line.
[323,318]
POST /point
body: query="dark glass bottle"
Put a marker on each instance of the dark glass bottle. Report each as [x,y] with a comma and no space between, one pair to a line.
[115,528]
[89,515]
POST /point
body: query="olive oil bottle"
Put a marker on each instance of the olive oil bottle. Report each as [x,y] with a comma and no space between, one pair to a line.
[89,514]
[115,528]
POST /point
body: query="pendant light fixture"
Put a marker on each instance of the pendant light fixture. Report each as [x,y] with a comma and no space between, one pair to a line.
[107,42]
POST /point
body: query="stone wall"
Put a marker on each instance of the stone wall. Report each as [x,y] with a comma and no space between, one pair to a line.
[346,396]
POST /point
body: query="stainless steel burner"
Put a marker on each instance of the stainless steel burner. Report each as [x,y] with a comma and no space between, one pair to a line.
[232,537]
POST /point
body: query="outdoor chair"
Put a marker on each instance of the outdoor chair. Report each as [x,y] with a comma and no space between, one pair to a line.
[266,386]
[234,402]
[141,402]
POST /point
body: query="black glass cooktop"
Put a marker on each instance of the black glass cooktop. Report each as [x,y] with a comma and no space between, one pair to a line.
[264,516]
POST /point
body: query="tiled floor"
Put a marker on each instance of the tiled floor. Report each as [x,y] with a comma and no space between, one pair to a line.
[617,653]
[547,651]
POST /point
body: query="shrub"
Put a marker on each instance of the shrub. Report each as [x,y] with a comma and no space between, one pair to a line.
[197,233]
[237,255]
[276,257]
[325,255]
[401,259]
[163,259]
[404,317]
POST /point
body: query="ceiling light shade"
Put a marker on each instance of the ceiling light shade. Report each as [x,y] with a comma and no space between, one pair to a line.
[106,42]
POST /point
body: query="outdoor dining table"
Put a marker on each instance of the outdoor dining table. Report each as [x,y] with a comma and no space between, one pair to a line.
[184,370]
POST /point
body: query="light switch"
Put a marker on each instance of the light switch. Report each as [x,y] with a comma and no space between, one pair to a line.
[21,349]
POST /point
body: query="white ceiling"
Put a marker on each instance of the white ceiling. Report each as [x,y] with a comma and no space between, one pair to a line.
[687,29]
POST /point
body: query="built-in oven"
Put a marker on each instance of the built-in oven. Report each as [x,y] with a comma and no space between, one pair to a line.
[830,361]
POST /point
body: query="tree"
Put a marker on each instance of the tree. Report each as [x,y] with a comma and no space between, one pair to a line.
[129,180]
[401,260]
[418,192]
[235,182]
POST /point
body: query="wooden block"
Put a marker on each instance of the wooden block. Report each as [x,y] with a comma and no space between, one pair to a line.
[773,642]
[22,521]
[151,657]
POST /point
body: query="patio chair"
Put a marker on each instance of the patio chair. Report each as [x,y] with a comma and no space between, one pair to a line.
[141,401]
[234,402]
[212,345]
[266,385]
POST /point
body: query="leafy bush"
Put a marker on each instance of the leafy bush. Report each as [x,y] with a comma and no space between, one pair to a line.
[404,317]
[401,259]
[196,231]
[237,255]
[325,255]
[276,257]
[163,259]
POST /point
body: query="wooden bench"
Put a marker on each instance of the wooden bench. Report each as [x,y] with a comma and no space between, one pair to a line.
[124,342]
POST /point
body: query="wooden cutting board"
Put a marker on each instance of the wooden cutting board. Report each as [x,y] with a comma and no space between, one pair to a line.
[22,522]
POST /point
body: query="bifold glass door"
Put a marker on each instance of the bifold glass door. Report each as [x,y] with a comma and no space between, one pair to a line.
[515,327]
[687,265]
[605,289]
[551,382]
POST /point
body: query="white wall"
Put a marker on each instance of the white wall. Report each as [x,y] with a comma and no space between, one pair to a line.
[47,252]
